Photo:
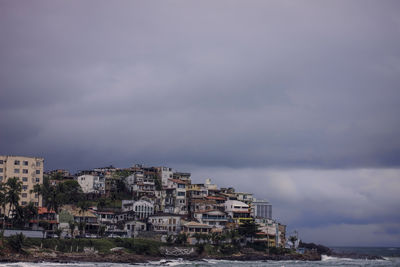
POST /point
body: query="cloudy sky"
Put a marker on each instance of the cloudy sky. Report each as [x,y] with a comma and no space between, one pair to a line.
[296,101]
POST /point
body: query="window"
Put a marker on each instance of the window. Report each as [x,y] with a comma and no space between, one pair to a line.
[24,179]
[37,171]
[1,169]
[24,187]
[1,161]
[37,163]
[16,170]
[37,180]
[24,171]
[1,178]
[37,204]
[25,163]
[24,194]
[23,203]
[16,162]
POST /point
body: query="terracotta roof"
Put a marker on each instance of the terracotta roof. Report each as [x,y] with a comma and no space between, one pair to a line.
[216,198]
[43,210]
[178,181]
[74,211]
[196,224]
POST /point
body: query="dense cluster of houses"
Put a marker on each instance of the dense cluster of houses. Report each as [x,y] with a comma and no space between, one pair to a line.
[165,202]
[149,202]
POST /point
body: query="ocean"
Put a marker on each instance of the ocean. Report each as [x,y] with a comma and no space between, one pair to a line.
[391,255]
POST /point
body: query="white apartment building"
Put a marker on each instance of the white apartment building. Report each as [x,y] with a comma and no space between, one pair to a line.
[261,209]
[29,170]
[142,208]
[165,173]
[91,183]
[237,210]
[165,222]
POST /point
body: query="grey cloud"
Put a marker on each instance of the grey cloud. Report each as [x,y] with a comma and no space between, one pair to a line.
[305,199]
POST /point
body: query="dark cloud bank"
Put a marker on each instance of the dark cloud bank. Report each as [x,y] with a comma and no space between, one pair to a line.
[299,97]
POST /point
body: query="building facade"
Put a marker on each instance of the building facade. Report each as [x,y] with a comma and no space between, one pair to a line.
[28,170]
[261,209]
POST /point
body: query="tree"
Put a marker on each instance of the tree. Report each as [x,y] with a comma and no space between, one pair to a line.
[13,191]
[54,196]
[102,230]
[83,207]
[23,215]
[101,204]
[248,229]
[3,203]
[45,226]
[58,232]
[181,238]
[81,228]
[293,239]
[17,242]
[72,226]
[198,237]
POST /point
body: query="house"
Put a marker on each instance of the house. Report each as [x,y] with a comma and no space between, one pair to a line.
[203,204]
[238,211]
[86,218]
[142,208]
[45,219]
[165,222]
[91,183]
[213,218]
[133,227]
[178,195]
[192,228]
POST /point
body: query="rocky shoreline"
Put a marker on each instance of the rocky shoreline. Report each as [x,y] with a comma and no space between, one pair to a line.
[119,255]
[124,257]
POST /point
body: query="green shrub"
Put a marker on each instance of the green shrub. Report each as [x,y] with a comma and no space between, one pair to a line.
[16,242]
[228,249]
[279,251]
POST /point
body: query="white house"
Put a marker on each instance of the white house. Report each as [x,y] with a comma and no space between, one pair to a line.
[165,222]
[237,210]
[142,208]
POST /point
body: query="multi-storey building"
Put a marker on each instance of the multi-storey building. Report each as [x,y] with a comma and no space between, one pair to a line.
[213,218]
[261,209]
[238,211]
[165,222]
[179,195]
[183,176]
[165,173]
[142,208]
[92,183]
[29,170]
[244,197]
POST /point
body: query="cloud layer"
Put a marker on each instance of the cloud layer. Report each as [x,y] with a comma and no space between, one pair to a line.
[334,207]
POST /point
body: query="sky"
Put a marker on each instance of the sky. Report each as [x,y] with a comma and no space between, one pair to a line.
[295,101]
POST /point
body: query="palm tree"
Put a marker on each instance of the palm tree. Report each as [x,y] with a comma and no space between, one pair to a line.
[3,203]
[52,201]
[72,226]
[83,207]
[293,239]
[14,188]
[30,212]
